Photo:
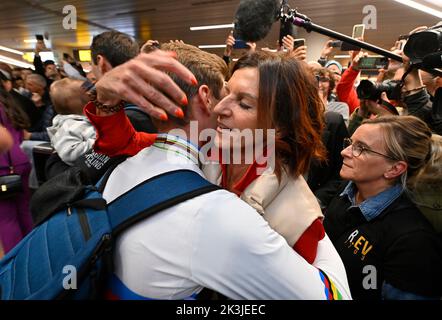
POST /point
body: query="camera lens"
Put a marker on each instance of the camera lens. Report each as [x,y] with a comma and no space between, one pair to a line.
[372,91]
[367,90]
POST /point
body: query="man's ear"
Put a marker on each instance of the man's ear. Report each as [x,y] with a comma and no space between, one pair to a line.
[103,64]
[205,99]
[396,170]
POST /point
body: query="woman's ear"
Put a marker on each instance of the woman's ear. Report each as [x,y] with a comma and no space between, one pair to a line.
[396,170]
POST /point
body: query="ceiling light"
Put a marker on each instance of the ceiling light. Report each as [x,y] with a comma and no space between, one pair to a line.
[212,46]
[215,26]
[421,7]
[11,50]
[15,62]
[30,40]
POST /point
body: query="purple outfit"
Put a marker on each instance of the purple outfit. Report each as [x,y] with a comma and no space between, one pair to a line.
[15,216]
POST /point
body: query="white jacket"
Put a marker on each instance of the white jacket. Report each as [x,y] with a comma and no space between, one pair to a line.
[289,205]
[71,136]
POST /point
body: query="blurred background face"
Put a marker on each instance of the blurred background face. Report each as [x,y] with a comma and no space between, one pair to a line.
[368,167]
[238,110]
[19,83]
[7,85]
[324,85]
[34,87]
[335,72]
[25,73]
[51,71]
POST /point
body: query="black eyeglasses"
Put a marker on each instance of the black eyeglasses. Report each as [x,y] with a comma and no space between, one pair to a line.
[357,149]
[322,79]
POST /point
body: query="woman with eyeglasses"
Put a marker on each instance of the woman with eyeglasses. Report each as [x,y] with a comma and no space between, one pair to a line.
[326,85]
[389,248]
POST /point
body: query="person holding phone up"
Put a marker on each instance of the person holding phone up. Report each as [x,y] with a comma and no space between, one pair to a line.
[296,48]
[232,43]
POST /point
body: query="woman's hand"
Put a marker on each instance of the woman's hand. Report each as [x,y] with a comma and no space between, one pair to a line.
[143,81]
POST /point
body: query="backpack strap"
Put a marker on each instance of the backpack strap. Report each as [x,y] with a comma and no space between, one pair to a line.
[156,194]
[101,184]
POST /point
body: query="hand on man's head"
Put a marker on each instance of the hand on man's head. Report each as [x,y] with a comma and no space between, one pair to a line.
[143,81]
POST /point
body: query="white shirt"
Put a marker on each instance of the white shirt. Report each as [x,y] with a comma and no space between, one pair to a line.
[214,240]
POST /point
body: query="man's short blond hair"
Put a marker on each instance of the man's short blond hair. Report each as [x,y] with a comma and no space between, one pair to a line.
[208,68]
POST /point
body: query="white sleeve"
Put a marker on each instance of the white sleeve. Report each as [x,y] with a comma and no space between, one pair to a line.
[237,254]
[73,139]
[328,260]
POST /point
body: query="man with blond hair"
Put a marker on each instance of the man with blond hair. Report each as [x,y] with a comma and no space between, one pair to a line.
[214,240]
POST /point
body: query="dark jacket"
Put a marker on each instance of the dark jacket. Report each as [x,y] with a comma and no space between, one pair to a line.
[420,105]
[39,131]
[399,246]
[40,69]
[323,178]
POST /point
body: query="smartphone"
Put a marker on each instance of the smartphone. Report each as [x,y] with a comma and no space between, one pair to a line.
[240,44]
[298,43]
[358,31]
[39,37]
[373,63]
[335,44]
[345,46]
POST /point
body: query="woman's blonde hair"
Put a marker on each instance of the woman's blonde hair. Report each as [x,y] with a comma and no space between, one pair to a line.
[408,139]
[426,185]
[431,173]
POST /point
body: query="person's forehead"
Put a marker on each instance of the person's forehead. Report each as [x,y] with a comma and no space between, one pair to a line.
[246,79]
[370,135]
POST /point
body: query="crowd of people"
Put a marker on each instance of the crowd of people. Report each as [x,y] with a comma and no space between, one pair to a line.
[342,200]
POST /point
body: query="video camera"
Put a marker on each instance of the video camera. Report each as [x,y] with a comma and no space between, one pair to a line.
[372,91]
[424,43]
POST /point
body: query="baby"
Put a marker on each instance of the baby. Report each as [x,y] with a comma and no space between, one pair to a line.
[71,134]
